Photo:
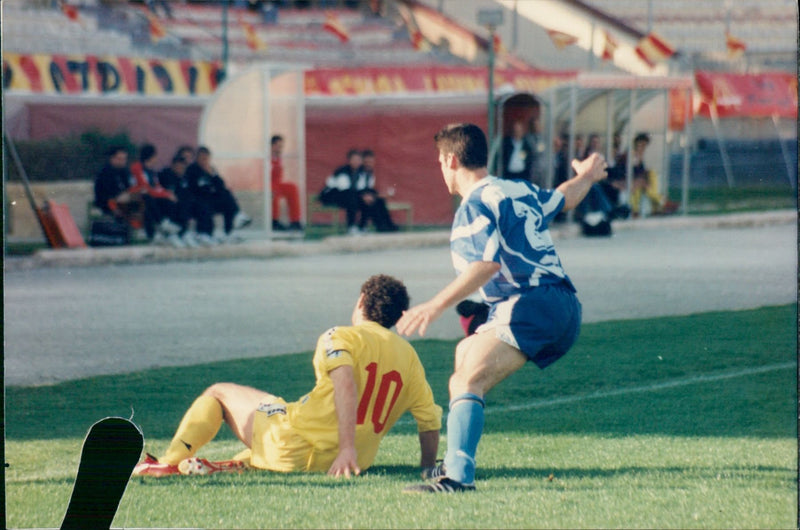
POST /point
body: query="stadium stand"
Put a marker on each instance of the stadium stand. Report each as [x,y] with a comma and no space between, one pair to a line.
[196,31]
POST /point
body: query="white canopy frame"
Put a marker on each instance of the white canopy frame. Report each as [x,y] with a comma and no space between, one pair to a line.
[238,122]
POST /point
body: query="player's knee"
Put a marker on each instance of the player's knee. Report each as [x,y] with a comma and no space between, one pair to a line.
[217,390]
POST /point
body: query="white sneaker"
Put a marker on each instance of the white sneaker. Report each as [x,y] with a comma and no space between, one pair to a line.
[176,241]
[206,240]
[158,239]
[241,220]
[354,231]
[189,240]
[169,228]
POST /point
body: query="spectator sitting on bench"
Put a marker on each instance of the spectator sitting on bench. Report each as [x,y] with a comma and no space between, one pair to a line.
[113,189]
[212,196]
[163,219]
[373,206]
[340,189]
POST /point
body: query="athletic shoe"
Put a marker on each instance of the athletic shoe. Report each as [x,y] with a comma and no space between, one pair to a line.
[151,467]
[241,220]
[189,241]
[175,241]
[435,472]
[443,485]
[201,466]
[206,240]
[168,227]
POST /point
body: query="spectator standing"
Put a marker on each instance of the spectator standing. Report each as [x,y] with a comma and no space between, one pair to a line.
[212,196]
[340,189]
[282,189]
[373,206]
[518,154]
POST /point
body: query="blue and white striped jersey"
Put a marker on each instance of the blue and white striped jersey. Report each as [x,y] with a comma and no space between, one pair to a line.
[507,221]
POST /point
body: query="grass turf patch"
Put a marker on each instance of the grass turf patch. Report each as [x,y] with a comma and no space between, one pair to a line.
[670,422]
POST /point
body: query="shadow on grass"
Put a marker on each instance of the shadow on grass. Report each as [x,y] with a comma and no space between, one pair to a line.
[610,355]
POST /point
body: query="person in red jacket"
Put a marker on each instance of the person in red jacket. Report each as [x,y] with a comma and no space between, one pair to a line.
[162,217]
[283,190]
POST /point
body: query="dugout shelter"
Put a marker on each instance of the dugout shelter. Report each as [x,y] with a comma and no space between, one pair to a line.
[238,121]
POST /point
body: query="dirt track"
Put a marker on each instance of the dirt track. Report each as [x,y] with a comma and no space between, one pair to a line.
[71,322]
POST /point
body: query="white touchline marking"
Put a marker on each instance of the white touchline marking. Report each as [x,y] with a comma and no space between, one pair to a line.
[672,383]
[600,394]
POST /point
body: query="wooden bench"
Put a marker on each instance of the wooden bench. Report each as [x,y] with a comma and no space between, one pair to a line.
[337,215]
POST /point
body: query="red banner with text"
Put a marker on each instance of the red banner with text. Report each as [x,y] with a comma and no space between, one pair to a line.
[747,95]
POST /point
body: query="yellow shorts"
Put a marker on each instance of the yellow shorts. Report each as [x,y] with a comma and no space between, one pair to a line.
[275,445]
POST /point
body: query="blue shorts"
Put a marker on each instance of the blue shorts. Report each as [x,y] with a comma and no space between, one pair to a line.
[543,323]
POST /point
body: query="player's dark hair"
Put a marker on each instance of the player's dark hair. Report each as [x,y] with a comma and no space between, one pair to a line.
[466,141]
[367,152]
[114,149]
[353,152]
[275,139]
[642,137]
[147,152]
[203,150]
[385,299]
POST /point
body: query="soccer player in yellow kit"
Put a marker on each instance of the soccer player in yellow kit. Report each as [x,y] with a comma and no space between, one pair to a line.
[367,377]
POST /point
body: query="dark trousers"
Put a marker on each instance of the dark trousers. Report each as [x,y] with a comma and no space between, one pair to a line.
[206,207]
[156,209]
[379,215]
[345,199]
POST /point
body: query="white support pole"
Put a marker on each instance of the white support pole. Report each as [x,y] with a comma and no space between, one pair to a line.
[723,151]
[629,142]
[266,151]
[664,183]
[610,126]
[687,145]
[551,131]
[786,160]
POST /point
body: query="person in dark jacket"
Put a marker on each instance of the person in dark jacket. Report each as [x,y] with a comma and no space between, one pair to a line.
[340,189]
[212,195]
[114,189]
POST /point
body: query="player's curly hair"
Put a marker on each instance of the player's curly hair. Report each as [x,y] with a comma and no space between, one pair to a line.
[466,141]
[385,299]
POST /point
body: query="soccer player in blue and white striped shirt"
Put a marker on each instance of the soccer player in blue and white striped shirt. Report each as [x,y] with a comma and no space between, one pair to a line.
[500,244]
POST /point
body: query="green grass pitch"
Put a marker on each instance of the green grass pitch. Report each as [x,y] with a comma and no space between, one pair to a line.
[679,422]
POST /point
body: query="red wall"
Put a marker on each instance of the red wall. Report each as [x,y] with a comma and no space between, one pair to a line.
[401,136]
[405,155]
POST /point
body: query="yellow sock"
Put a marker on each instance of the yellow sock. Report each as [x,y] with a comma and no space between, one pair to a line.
[199,426]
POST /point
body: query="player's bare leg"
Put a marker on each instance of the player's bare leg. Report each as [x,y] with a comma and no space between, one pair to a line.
[228,402]
[482,361]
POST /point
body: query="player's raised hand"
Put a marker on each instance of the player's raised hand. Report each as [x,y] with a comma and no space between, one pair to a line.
[345,464]
[594,166]
[419,318]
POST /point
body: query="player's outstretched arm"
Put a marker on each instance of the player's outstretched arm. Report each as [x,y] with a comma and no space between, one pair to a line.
[421,316]
[345,398]
[587,172]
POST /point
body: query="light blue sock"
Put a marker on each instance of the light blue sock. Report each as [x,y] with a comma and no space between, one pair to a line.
[464,429]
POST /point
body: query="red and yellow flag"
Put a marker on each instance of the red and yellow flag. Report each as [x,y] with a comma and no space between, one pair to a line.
[609,47]
[333,25]
[653,49]
[499,47]
[561,39]
[736,47]
[254,42]
[71,12]
[157,31]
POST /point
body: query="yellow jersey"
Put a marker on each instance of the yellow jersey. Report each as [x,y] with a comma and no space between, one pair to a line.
[390,380]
